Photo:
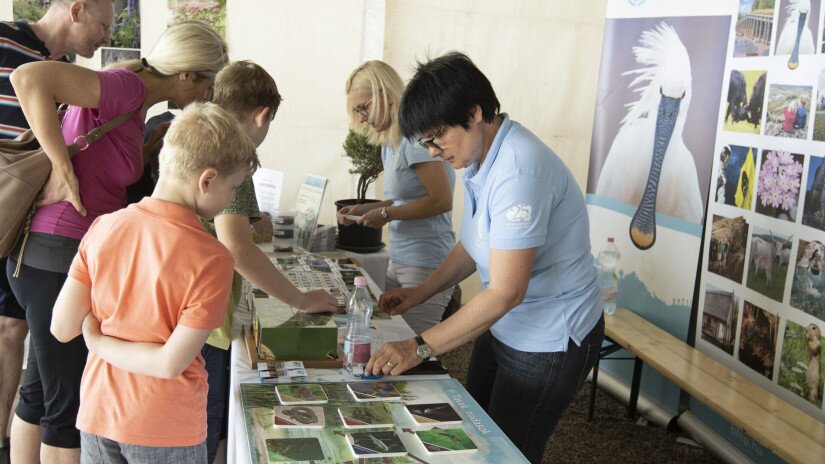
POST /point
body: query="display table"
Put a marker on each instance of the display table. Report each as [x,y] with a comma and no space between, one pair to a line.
[493,444]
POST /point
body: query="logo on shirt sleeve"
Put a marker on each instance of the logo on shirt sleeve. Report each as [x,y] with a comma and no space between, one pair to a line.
[519,213]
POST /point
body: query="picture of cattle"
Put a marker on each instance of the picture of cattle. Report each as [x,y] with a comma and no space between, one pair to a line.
[726,255]
[808,287]
[746,97]
[754,25]
[801,367]
[788,108]
[813,213]
[778,184]
[719,315]
[735,176]
[757,339]
[768,263]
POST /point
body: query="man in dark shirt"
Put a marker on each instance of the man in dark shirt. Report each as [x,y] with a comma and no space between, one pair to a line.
[79,27]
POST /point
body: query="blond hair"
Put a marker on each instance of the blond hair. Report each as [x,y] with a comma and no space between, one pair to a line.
[188,46]
[242,87]
[384,85]
[205,135]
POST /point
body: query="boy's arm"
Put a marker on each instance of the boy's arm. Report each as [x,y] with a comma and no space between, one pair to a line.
[165,361]
[255,266]
[73,303]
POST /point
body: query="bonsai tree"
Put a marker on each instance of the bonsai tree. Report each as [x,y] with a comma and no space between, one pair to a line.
[366,161]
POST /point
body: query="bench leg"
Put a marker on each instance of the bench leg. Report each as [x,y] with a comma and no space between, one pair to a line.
[593,390]
[634,388]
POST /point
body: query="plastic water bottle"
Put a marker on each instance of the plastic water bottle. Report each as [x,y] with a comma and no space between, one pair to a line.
[608,280]
[358,338]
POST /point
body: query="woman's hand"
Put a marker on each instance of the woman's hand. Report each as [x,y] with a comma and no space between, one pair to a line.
[393,358]
[398,300]
[351,210]
[62,185]
[373,219]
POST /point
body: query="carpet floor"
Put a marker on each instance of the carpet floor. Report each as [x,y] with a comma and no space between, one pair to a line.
[611,437]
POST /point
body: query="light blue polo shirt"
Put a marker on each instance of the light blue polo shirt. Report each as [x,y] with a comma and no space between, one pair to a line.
[523,196]
[419,242]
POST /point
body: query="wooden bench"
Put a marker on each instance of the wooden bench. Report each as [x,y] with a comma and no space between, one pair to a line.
[787,431]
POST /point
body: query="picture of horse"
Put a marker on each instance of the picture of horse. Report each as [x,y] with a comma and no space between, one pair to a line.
[757,339]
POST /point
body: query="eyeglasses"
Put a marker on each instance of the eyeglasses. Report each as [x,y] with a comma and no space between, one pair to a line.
[430,142]
[362,110]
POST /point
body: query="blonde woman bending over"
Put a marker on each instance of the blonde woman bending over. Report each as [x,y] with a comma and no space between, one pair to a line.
[181,69]
[419,190]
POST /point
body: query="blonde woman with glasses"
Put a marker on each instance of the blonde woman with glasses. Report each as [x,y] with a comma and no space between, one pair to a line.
[181,68]
[419,190]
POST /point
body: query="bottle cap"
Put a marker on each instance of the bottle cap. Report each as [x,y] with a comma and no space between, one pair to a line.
[360,281]
[609,239]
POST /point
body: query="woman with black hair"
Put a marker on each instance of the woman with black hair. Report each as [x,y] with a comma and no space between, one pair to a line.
[537,323]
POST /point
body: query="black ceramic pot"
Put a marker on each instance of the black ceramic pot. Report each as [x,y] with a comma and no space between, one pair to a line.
[357,237]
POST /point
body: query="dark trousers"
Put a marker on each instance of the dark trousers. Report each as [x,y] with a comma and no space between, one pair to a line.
[526,393]
[217,400]
[50,394]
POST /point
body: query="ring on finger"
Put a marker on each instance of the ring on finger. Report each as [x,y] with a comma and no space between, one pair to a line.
[390,364]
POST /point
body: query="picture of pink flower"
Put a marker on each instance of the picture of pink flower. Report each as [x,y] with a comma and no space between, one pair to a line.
[780,178]
[212,12]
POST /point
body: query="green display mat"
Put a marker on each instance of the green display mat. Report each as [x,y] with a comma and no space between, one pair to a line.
[259,400]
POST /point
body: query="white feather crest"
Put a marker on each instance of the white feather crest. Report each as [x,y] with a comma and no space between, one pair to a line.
[793,10]
[668,69]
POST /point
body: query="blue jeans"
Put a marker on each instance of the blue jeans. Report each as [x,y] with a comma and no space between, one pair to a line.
[98,450]
[526,393]
[217,368]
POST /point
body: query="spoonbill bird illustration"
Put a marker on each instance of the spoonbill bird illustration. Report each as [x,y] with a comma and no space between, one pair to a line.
[649,144]
[796,37]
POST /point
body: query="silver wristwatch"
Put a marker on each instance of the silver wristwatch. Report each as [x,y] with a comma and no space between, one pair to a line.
[384,214]
[423,351]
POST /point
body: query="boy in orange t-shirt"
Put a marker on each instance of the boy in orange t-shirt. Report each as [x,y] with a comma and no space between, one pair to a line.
[146,288]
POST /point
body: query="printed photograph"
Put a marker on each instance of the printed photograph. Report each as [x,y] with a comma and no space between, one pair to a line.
[819,113]
[813,212]
[311,417]
[777,191]
[433,413]
[728,239]
[113,55]
[746,98]
[757,339]
[301,394]
[126,28]
[801,367]
[797,23]
[29,10]
[446,441]
[376,444]
[294,449]
[768,263]
[754,24]
[719,317]
[212,12]
[808,285]
[365,416]
[788,107]
[735,176]
[374,391]
[627,164]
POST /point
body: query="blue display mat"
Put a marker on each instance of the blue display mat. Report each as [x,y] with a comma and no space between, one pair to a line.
[493,446]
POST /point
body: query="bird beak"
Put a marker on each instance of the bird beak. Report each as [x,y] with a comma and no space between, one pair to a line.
[793,62]
[643,224]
